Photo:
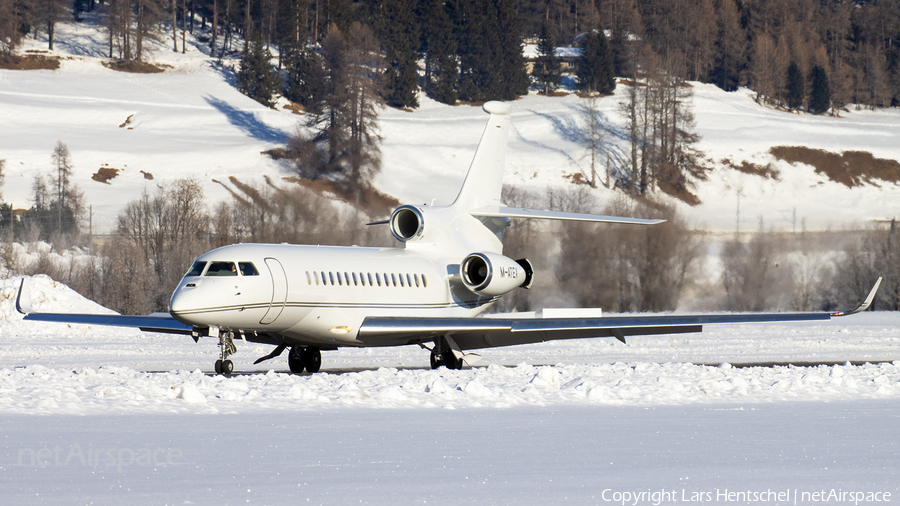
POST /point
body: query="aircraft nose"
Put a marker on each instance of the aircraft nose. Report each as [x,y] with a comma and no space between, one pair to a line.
[183,299]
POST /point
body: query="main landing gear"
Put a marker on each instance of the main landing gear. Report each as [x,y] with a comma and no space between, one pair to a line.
[304,358]
[442,355]
[226,347]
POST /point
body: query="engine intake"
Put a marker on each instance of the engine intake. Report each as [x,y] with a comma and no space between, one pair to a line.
[493,274]
[407,223]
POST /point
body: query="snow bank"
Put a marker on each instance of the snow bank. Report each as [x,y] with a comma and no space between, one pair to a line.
[42,390]
[81,369]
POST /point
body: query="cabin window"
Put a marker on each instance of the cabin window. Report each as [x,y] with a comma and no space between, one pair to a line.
[378,277]
[248,269]
[401,279]
[196,269]
[369,277]
[424,283]
[347,278]
[339,281]
[331,278]
[221,269]
[393,279]
[408,281]
[416,276]
[355,280]
[308,278]
[324,281]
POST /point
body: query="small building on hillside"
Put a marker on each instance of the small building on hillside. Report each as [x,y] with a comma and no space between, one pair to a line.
[566,55]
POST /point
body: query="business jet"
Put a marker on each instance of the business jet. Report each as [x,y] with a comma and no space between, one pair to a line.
[431,292]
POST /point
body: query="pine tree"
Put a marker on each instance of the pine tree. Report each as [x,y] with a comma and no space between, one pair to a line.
[728,58]
[345,140]
[256,78]
[594,67]
[305,80]
[440,52]
[547,69]
[338,13]
[399,33]
[820,94]
[794,89]
[290,32]
[478,44]
[512,76]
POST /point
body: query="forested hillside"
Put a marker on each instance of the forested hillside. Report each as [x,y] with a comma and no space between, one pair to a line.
[806,53]
[171,140]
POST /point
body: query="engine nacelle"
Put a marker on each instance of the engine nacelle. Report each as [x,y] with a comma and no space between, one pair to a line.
[407,223]
[493,274]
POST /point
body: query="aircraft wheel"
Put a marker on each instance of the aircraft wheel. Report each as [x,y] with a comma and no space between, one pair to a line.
[312,359]
[227,367]
[450,360]
[295,360]
[219,366]
[435,359]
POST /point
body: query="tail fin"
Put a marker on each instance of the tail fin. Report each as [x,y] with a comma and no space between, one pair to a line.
[484,180]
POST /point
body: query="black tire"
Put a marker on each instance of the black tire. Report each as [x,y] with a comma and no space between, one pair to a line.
[450,360]
[435,359]
[219,366]
[227,367]
[312,359]
[295,360]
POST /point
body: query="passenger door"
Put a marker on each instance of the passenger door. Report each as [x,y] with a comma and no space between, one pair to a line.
[279,291]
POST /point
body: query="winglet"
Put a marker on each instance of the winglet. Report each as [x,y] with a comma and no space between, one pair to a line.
[864,304]
[23,306]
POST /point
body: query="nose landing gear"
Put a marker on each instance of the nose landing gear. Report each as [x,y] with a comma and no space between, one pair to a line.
[226,347]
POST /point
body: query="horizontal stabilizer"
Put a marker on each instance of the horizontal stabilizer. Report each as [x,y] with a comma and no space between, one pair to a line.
[515,212]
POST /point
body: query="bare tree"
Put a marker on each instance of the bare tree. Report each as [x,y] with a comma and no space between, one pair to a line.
[346,136]
[63,165]
[754,275]
[168,230]
[622,267]
[594,136]
[657,111]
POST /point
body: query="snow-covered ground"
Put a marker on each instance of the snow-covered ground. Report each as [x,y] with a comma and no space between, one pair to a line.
[105,416]
[101,415]
[190,120]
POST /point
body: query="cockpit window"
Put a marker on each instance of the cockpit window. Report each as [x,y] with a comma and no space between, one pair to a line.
[248,269]
[196,269]
[221,269]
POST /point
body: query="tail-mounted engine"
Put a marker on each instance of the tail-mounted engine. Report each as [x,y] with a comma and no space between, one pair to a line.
[407,223]
[493,274]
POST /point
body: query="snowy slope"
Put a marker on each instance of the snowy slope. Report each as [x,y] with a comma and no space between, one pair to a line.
[190,120]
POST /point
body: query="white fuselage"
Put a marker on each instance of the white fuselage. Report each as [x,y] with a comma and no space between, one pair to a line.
[318,295]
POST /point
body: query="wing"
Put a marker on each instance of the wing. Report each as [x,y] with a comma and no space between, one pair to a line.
[475,333]
[515,212]
[156,322]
